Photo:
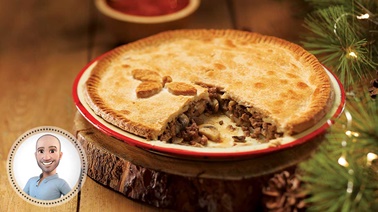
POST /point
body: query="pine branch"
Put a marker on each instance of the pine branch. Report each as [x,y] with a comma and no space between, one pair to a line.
[351,184]
[365,118]
[343,175]
[343,42]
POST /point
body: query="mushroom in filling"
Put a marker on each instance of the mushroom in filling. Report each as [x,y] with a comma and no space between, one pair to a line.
[189,129]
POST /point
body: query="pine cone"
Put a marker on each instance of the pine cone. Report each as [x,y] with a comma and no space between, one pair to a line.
[373,90]
[283,193]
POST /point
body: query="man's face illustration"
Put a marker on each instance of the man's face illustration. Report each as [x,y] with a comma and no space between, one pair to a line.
[48,154]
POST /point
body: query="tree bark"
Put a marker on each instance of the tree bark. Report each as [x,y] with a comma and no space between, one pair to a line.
[180,183]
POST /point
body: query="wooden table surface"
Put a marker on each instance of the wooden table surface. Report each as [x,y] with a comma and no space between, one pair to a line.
[43,46]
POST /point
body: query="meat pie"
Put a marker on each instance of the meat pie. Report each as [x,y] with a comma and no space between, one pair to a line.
[173,83]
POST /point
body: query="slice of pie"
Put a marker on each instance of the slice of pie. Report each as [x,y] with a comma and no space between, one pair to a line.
[183,86]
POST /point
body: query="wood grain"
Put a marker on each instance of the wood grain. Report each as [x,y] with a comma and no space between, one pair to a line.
[37,48]
[109,164]
[283,18]
[158,179]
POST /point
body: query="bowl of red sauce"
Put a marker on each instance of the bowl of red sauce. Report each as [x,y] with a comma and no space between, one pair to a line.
[131,20]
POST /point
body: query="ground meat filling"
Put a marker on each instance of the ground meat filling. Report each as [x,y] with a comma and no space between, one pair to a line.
[186,129]
[252,124]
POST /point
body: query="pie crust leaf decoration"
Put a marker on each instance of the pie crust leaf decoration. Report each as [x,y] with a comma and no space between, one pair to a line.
[181,88]
[266,86]
[146,75]
[148,88]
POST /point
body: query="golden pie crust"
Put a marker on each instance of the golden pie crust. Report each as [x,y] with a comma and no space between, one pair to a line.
[266,74]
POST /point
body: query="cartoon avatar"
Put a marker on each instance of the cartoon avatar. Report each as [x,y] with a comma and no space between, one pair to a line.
[48,185]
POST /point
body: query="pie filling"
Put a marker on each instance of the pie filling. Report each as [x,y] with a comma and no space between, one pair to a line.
[190,128]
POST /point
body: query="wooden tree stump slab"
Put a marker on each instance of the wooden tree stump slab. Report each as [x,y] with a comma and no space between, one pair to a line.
[178,183]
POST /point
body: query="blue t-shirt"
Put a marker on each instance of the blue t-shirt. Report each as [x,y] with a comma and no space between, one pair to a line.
[50,188]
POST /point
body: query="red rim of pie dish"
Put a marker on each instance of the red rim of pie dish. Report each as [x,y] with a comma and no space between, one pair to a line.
[174,152]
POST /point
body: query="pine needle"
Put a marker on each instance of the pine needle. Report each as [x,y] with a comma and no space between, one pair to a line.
[333,186]
[341,43]
[343,174]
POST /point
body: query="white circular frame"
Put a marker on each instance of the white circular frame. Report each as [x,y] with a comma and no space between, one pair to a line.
[32,134]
